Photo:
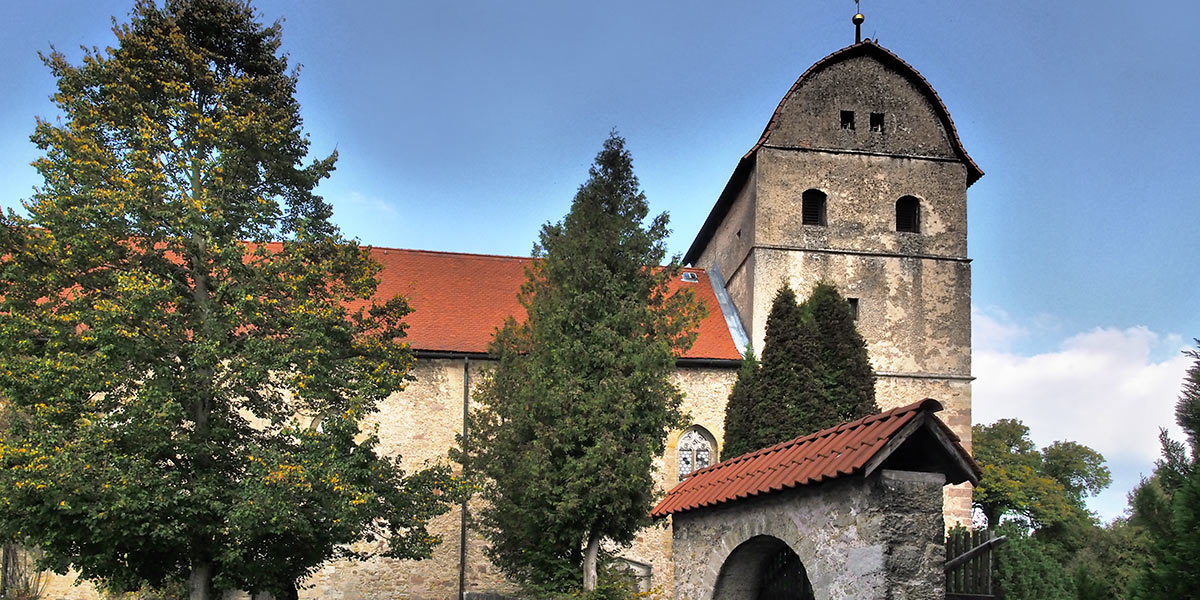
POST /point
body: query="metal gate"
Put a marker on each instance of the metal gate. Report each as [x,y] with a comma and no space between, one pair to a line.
[784,578]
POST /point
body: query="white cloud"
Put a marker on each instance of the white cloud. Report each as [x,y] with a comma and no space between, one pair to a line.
[368,205]
[994,329]
[1104,388]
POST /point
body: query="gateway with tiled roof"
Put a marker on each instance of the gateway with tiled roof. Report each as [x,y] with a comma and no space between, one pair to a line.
[909,438]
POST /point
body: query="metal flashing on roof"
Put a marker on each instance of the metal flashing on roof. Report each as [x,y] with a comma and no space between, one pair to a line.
[732,318]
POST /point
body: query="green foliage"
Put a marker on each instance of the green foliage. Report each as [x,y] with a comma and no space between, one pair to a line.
[767,397]
[1167,505]
[741,415]
[1103,568]
[172,590]
[843,373]
[1079,469]
[614,583]
[1027,568]
[1067,555]
[163,377]
[580,402]
[1041,488]
[814,374]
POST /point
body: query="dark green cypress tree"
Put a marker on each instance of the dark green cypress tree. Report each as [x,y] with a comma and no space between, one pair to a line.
[581,399]
[773,409]
[1168,506]
[739,410]
[843,377]
[814,374]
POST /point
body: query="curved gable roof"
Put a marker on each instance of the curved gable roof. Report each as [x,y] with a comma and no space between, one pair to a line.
[885,56]
[864,48]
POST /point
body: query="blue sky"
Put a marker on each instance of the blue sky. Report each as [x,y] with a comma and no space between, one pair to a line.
[466,125]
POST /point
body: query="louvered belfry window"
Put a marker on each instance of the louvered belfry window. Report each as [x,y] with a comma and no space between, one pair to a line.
[908,214]
[813,207]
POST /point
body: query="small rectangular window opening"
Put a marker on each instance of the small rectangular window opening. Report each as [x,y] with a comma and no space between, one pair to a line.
[852,304]
[848,119]
[877,122]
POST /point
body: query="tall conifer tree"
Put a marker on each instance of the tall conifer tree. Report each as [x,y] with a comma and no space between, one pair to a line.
[581,400]
[845,381]
[178,314]
[773,407]
[1168,505]
[814,374]
[741,416]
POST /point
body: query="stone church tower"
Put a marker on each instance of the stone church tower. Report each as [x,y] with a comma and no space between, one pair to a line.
[860,179]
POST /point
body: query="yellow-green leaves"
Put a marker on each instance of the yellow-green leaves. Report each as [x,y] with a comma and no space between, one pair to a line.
[175,300]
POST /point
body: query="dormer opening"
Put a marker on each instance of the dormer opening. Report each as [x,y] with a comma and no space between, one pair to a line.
[848,119]
[908,214]
[877,122]
[812,209]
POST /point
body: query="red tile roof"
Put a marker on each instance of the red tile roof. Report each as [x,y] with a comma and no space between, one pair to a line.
[846,449]
[459,300]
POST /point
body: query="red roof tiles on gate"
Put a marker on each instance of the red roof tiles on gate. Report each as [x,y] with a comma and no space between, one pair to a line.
[846,449]
[459,300]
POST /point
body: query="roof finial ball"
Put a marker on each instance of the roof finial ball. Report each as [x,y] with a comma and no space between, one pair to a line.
[858,21]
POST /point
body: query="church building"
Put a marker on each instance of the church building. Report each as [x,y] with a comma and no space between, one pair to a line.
[858,179]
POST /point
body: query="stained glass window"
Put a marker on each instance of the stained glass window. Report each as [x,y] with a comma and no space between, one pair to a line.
[695,451]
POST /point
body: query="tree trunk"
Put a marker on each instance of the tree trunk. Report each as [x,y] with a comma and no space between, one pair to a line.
[5,552]
[589,562]
[200,580]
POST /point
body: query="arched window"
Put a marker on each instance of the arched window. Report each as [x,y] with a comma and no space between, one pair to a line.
[696,450]
[908,214]
[812,207]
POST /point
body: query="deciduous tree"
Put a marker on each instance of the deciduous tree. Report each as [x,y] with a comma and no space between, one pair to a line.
[581,399]
[188,346]
[1041,488]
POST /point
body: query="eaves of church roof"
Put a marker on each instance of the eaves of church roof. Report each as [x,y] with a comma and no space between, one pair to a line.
[459,300]
[746,164]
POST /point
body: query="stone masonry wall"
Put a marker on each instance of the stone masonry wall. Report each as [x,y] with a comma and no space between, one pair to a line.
[810,117]
[857,538]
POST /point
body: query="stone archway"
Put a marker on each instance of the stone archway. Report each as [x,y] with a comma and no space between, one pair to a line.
[763,568]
